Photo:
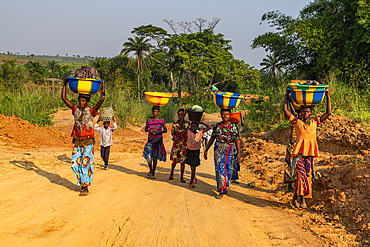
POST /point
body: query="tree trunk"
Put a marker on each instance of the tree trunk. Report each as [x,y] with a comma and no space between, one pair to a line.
[138,86]
[179,88]
[172,81]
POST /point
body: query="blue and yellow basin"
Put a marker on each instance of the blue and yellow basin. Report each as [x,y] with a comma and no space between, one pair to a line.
[226,100]
[307,97]
[83,85]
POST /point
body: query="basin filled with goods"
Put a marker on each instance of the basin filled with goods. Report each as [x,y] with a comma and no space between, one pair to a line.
[307,93]
[226,100]
[83,85]
[195,113]
[157,98]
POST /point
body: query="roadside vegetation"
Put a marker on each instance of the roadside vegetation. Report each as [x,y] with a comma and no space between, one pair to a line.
[327,42]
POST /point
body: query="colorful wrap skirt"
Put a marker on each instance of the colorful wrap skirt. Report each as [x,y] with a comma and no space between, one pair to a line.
[290,174]
[305,175]
[83,164]
[236,168]
[154,150]
[178,151]
[224,157]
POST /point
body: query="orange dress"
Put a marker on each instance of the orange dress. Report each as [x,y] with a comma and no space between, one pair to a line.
[306,143]
[306,146]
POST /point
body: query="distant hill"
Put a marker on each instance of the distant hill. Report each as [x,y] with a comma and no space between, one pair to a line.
[22,59]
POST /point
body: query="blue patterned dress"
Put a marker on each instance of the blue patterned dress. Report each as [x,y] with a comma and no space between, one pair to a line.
[224,154]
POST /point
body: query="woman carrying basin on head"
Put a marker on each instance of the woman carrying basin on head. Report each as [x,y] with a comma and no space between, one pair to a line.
[226,151]
[154,149]
[305,148]
[83,137]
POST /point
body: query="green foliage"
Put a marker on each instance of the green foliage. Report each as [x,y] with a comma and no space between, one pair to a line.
[328,35]
[31,103]
[10,74]
[264,114]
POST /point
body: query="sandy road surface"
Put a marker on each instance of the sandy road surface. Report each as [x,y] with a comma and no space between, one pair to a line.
[40,206]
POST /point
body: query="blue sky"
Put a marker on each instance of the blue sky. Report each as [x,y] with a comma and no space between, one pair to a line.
[99,28]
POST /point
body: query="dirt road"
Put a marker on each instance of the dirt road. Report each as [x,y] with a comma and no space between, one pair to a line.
[40,206]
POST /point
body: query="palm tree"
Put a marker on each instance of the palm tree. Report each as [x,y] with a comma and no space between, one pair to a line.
[53,66]
[138,45]
[272,66]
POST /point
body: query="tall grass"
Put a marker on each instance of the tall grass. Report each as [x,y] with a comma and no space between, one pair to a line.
[32,103]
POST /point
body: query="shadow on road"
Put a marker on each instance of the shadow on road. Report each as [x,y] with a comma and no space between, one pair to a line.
[162,174]
[52,177]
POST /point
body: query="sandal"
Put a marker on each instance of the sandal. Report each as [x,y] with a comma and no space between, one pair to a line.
[295,204]
[153,177]
[171,177]
[219,196]
[149,174]
[183,181]
[195,181]
[84,191]
[192,186]
[303,205]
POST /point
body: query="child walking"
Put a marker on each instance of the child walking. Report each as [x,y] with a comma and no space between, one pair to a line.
[193,149]
[305,148]
[105,139]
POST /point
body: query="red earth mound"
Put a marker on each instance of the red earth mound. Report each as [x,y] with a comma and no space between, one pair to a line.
[20,133]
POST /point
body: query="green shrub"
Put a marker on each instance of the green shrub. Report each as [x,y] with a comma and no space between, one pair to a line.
[32,103]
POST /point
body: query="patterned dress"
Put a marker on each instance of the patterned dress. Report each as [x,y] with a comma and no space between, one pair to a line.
[178,151]
[304,151]
[154,149]
[83,138]
[224,154]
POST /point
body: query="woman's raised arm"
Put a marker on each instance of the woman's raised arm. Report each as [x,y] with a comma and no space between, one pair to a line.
[328,107]
[64,95]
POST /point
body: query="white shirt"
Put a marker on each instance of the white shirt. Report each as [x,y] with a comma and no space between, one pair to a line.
[105,134]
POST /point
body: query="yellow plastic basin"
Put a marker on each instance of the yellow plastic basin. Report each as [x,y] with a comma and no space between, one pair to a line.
[157,98]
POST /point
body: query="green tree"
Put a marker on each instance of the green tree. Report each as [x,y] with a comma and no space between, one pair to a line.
[328,35]
[140,46]
[36,70]
[272,67]
[53,66]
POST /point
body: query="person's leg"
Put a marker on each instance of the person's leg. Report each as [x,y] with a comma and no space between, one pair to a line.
[76,163]
[87,168]
[294,201]
[182,170]
[102,153]
[191,184]
[172,170]
[150,169]
[303,202]
[106,156]
[154,167]
[290,186]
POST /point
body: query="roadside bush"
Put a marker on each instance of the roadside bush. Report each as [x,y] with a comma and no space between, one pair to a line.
[32,103]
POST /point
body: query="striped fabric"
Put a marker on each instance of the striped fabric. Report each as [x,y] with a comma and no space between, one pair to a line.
[155,125]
